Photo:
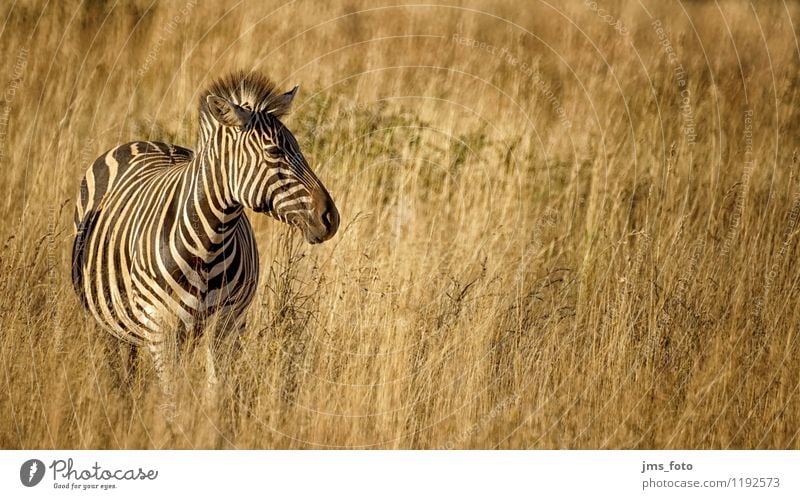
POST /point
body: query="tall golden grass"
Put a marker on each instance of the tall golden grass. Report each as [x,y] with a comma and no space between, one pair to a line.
[563,226]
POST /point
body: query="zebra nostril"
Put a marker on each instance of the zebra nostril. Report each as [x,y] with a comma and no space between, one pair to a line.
[327,219]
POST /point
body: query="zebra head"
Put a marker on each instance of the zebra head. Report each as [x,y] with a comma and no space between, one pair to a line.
[266,171]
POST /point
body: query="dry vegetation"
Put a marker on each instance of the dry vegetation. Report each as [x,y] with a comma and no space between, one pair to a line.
[503,277]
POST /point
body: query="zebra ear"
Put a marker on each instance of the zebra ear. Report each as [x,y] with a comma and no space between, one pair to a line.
[281,104]
[226,112]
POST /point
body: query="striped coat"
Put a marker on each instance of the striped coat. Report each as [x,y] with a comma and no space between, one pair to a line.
[162,240]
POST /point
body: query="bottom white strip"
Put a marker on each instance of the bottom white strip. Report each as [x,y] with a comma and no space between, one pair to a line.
[352,474]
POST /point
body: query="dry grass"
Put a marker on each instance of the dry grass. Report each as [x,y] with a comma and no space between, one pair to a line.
[500,279]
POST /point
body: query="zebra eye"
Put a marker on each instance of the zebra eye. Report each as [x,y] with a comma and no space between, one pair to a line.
[273,150]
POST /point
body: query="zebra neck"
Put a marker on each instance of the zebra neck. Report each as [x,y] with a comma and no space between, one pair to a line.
[205,132]
[207,209]
[213,183]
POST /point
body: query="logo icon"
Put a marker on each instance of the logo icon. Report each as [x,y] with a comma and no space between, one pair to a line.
[31,472]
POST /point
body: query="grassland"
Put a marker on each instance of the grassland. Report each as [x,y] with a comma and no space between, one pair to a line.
[563,226]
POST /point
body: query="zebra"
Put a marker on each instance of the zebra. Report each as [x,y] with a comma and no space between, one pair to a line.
[162,241]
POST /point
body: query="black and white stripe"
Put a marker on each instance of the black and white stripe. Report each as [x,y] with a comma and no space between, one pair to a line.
[162,241]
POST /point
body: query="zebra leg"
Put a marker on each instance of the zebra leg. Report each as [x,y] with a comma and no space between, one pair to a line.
[164,364]
[212,382]
[236,395]
[218,352]
[129,353]
[161,335]
[221,347]
[121,358]
[113,359]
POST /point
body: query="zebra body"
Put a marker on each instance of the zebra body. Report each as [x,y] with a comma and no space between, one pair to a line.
[141,209]
[162,240]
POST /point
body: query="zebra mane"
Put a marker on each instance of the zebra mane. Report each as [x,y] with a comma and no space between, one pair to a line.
[251,90]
